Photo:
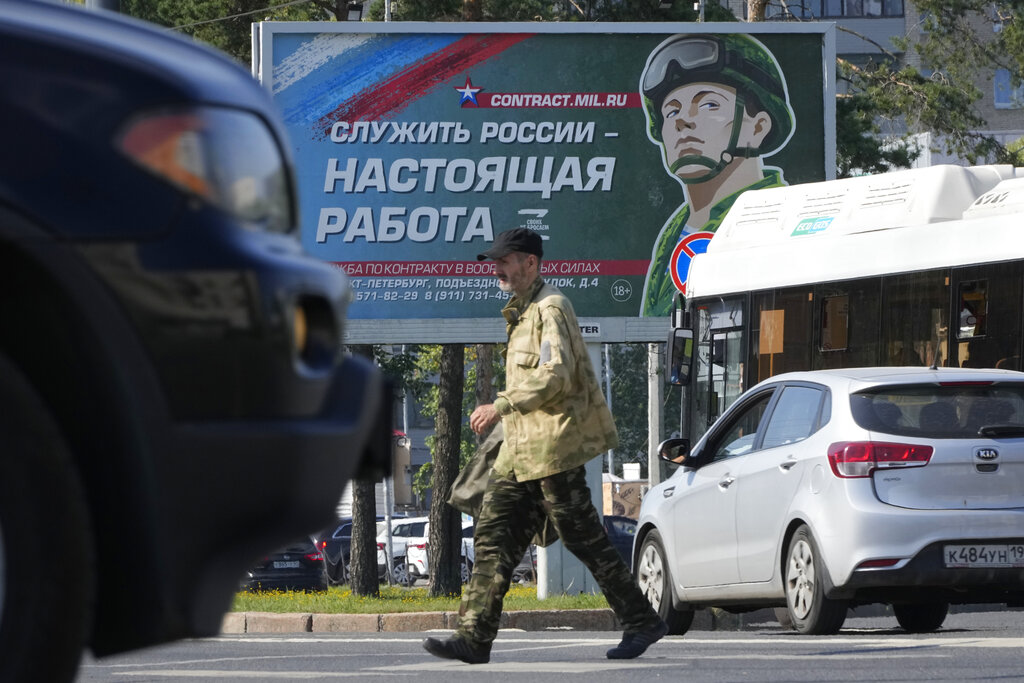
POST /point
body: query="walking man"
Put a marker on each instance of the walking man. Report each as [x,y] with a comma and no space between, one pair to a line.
[555,420]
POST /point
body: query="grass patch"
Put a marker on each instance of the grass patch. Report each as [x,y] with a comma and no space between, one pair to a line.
[339,600]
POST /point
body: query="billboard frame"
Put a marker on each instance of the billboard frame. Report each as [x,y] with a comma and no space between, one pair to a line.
[492,329]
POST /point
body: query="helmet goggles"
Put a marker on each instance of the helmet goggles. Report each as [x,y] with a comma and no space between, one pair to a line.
[695,58]
[681,56]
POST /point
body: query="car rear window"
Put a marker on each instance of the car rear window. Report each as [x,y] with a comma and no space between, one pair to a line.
[948,411]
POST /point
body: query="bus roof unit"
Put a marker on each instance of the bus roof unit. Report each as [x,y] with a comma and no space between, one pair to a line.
[858,227]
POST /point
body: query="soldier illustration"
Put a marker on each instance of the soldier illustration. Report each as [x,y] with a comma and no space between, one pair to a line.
[715,105]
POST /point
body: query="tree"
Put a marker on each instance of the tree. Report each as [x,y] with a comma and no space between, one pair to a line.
[629,404]
[484,385]
[445,530]
[225,24]
[958,45]
[363,551]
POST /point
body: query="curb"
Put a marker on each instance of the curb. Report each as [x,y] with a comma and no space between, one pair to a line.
[235,623]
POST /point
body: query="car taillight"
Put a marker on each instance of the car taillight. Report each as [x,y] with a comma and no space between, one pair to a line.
[380,546]
[315,557]
[420,546]
[855,459]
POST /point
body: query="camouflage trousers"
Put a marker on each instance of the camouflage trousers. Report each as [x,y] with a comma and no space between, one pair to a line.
[512,512]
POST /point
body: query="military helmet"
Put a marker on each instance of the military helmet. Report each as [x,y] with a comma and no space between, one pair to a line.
[732,59]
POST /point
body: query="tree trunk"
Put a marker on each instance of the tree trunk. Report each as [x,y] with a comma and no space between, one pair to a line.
[756,9]
[363,552]
[472,10]
[484,378]
[363,566]
[445,530]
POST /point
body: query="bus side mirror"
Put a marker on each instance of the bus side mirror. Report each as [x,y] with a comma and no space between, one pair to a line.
[680,357]
[675,451]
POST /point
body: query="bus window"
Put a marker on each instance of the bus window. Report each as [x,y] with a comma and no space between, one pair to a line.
[847,325]
[780,332]
[835,323]
[915,318]
[990,306]
[973,309]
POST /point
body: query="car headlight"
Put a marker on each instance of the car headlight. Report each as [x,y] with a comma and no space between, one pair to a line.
[226,157]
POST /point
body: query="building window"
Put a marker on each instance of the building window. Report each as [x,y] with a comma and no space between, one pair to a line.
[834,9]
[1006,96]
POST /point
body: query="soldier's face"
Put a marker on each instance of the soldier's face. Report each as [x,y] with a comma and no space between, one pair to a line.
[515,271]
[698,120]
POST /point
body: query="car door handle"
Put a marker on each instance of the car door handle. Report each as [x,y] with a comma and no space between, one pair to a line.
[667,493]
[726,482]
[787,464]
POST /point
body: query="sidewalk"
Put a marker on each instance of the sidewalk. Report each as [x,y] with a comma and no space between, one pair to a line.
[525,620]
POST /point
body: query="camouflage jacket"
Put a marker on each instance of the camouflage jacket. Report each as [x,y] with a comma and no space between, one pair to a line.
[553,412]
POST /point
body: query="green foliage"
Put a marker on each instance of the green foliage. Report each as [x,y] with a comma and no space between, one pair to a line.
[1016,151]
[956,43]
[629,404]
[428,363]
[394,599]
[401,368]
[859,149]
[224,24]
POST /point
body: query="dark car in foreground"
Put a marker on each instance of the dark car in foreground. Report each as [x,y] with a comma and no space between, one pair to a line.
[174,402]
[298,566]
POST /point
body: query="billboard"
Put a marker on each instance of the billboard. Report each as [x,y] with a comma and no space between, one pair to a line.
[622,145]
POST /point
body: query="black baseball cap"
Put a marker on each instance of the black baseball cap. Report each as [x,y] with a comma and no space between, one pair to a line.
[516,239]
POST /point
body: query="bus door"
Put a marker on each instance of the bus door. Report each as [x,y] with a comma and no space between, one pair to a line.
[719,376]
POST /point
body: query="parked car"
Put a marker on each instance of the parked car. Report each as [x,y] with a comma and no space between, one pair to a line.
[526,570]
[418,551]
[621,532]
[164,336]
[297,566]
[336,544]
[401,532]
[820,491]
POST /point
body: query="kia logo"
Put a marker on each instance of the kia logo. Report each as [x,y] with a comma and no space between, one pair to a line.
[987,454]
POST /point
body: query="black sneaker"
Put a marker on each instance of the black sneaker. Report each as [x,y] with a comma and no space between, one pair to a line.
[457,648]
[636,643]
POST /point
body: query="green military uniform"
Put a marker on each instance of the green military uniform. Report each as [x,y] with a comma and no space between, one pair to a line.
[660,290]
[555,420]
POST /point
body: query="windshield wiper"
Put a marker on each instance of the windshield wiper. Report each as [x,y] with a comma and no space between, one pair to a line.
[1001,430]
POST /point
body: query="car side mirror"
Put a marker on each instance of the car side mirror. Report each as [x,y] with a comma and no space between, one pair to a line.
[680,356]
[676,452]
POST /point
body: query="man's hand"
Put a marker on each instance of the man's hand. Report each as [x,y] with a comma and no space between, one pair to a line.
[483,418]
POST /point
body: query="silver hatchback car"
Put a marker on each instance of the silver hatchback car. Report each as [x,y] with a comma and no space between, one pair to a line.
[820,491]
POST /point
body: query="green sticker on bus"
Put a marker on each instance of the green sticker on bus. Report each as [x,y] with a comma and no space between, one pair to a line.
[810,226]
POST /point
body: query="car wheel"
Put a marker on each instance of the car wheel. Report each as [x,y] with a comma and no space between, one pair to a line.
[811,612]
[338,572]
[655,581]
[400,573]
[921,618]
[45,607]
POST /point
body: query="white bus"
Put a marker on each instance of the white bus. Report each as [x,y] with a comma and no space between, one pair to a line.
[915,267]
